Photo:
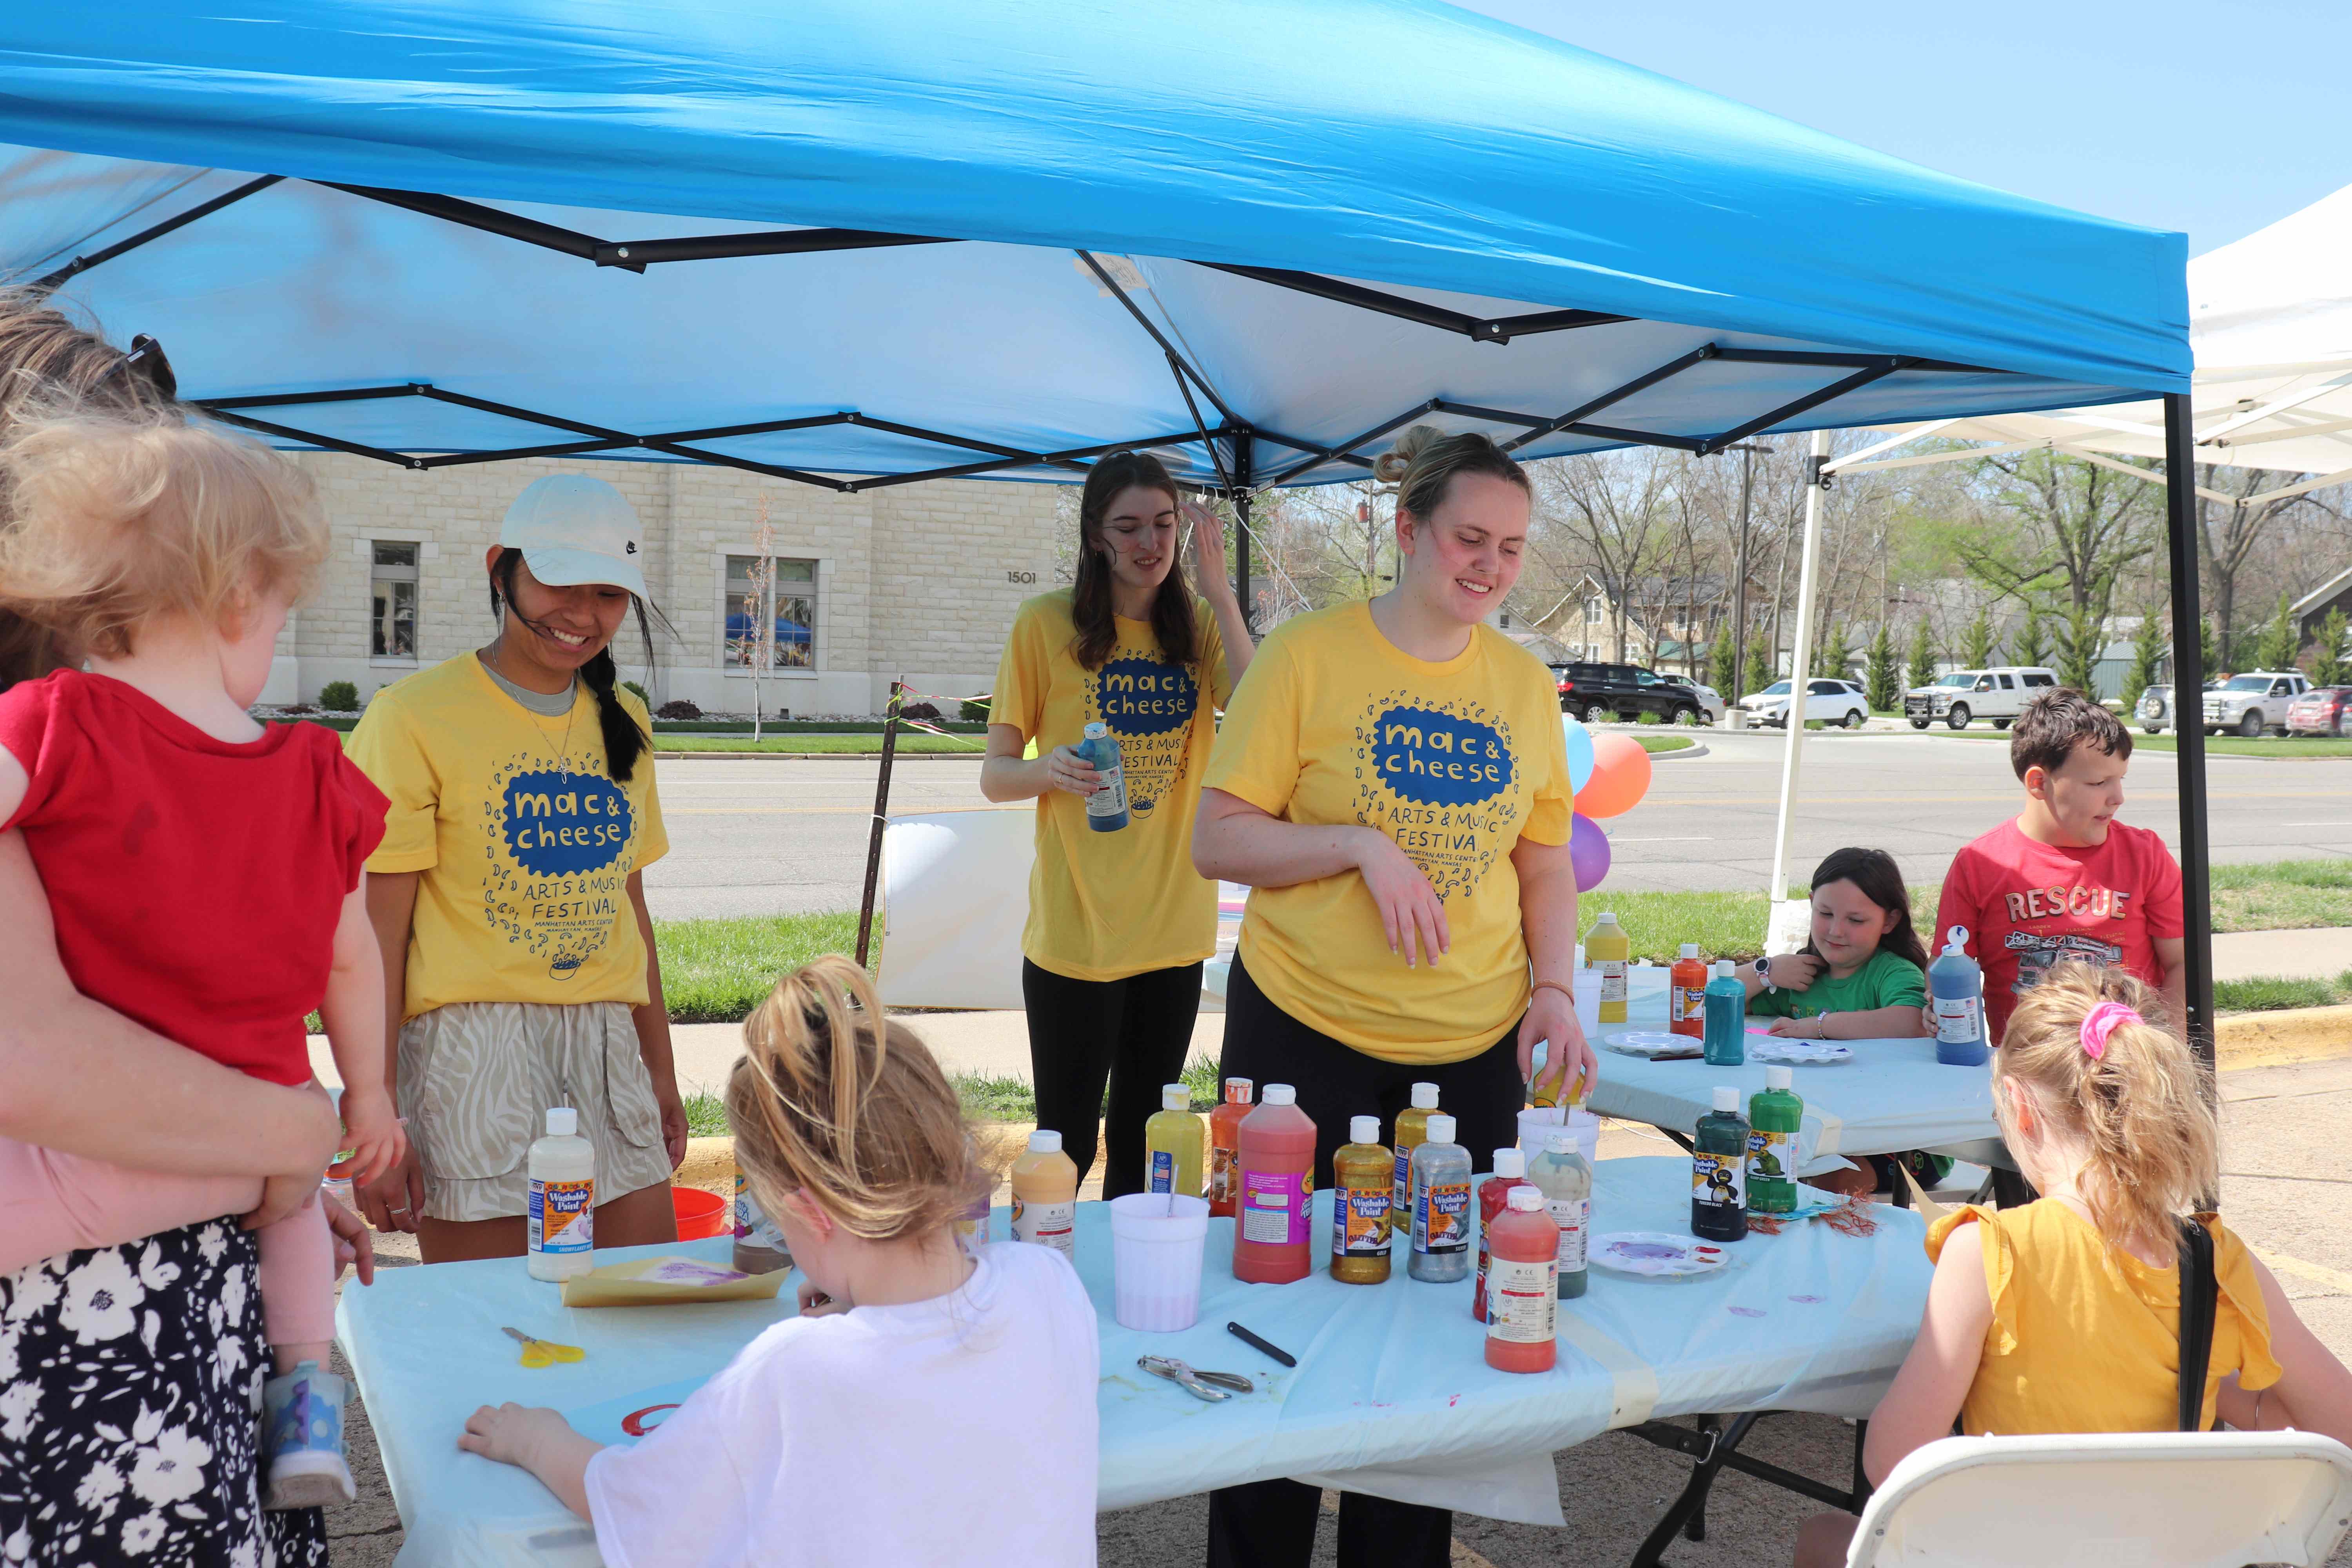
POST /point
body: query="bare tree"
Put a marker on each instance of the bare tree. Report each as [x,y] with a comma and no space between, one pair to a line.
[2230,533]
[1617,507]
[2073,526]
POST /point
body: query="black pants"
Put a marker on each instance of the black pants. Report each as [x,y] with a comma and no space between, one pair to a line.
[1132,1032]
[1271,1524]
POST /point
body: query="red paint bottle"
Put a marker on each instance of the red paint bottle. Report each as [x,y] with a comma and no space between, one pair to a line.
[1510,1170]
[1523,1323]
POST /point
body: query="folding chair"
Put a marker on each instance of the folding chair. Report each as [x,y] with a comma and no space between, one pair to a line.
[2139,1499]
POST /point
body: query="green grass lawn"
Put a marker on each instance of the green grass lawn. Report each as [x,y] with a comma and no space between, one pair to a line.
[2282,895]
[2295,749]
[2265,993]
[716,970]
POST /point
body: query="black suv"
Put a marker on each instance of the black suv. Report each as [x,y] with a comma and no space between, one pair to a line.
[1597,691]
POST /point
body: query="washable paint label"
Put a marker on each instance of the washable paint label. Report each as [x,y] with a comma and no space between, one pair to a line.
[1111,799]
[562,1217]
[1221,1177]
[1612,980]
[1720,1180]
[1401,1190]
[1161,1176]
[1047,1224]
[1959,1020]
[1771,1156]
[1686,1005]
[1442,1218]
[753,1227]
[1360,1221]
[1574,1217]
[1274,1208]
[1523,1301]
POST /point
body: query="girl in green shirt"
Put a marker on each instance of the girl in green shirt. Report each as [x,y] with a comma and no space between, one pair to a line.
[1863,976]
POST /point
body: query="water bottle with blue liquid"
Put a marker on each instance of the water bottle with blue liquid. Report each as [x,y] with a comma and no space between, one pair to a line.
[1107,807]
[1955,996]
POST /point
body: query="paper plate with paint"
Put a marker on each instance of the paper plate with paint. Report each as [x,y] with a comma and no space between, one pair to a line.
[1657,1252]
[1799,1052]
[1655,1045]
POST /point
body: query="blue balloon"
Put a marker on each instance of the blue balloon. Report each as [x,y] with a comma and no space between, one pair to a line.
[1587,851]
[1579,751]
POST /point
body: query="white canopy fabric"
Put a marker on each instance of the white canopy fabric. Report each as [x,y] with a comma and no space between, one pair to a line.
[2271,325]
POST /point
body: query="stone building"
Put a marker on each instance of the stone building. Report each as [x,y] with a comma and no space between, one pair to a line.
[917,582]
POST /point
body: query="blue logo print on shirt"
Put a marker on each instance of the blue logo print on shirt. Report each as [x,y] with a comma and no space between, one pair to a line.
[559,824]
[1145,696]
[1438,759]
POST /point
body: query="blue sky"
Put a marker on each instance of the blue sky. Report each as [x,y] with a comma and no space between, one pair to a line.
[2214,118]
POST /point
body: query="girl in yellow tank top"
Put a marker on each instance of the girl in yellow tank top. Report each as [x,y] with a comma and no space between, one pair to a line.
[2063,1315]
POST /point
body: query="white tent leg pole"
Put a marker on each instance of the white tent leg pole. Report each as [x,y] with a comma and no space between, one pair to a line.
[1801,660]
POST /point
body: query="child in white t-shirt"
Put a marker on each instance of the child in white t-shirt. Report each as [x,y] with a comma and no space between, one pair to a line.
[928,1407]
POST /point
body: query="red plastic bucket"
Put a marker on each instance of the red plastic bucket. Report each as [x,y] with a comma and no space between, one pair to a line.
[700,1214]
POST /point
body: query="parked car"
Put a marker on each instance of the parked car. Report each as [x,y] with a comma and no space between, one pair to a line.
[2154,709]
[1828,702]
[1967,695]
[2254,702]
[1595,692]
[2322,710]
[1710,700]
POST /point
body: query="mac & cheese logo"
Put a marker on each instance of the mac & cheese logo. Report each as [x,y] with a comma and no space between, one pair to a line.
[1438,759]
[560,825]
[1145,696]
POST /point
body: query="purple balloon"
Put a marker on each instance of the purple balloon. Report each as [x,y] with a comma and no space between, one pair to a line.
[1587,851]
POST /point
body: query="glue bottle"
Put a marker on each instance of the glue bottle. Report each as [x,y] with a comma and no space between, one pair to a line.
[1719,1170]
[1726,1017]
[1561,1174]
[1611,952]
[1510,1170]
[1046,1195]
[1172,1144]
[1224,1135]
[560,1239]
[1107,807]
[1687,995]
[1275,1161]
[1441,1205]
[1774,1115]
[1523,1320]
[1411,1127]
[1956,986]
[1360,1206]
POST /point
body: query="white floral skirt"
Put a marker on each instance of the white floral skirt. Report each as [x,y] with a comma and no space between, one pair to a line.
[130,1409]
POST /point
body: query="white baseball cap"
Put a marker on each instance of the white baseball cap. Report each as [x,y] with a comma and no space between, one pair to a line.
[572,529]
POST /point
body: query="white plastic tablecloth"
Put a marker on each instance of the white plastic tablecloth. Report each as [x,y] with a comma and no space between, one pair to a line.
[1391,1394]
[1893,1096]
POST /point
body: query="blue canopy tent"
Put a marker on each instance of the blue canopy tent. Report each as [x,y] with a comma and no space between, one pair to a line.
[855,244]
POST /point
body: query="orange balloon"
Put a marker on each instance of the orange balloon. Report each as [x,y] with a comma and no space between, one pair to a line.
[1620,777]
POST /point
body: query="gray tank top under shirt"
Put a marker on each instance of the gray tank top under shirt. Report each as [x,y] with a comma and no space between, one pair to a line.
[546,704]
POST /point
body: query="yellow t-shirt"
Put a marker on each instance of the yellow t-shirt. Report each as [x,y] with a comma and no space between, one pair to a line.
[525,841]
[2086,1338]
[1103,906]
[1456,762]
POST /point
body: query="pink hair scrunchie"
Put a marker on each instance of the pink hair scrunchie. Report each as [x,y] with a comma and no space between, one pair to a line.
[2103,1021]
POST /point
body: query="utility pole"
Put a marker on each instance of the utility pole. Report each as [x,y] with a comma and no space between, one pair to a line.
[1746,450]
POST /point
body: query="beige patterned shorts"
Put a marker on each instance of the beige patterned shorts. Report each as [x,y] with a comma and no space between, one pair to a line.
[475,1082]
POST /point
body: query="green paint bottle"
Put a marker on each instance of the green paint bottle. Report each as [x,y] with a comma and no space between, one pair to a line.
[1774,1114]
[1719,1170]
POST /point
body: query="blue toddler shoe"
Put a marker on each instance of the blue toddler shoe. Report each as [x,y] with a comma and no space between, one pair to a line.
[302,1439]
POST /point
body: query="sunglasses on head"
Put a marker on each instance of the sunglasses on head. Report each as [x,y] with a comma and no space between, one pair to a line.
[146,359]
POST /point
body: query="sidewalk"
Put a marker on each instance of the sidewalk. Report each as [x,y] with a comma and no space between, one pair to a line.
[2322,953]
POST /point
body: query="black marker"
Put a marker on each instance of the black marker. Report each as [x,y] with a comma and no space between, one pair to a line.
[1284,1357]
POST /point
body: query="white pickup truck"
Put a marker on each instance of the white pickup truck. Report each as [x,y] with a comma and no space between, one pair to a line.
[1999,695]
[2253,703]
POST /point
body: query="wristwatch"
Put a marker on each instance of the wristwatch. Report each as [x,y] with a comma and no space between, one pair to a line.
[1764,974]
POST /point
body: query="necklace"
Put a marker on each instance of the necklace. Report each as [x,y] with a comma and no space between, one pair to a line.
[563,753]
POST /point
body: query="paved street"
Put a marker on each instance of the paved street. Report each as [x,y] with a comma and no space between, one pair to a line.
[784,836]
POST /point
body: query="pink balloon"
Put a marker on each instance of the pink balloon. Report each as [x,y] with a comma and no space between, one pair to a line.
[1587,851]
[1620,777]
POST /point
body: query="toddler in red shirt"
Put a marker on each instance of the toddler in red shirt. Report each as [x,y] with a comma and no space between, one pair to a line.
[2064,880]
[202,872]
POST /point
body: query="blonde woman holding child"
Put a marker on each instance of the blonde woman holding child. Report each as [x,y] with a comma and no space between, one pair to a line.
[2063,1315]
[914,1361]
[200,874]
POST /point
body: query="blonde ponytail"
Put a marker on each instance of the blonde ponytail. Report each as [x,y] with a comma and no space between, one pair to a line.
[2140,1107]
[834,1100]
[1424,460]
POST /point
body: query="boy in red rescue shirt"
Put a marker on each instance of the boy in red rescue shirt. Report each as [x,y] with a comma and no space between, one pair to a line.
[2063,878]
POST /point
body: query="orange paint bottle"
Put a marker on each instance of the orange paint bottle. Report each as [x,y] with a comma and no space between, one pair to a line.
[1224,1137]
[1687,995]
[1522,1286]
[1275,1166]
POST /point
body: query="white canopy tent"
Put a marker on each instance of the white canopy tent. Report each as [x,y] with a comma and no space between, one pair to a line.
[2271,325]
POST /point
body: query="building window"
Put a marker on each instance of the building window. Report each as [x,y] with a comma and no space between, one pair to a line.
[392,617]
[1594,610]
[790,587]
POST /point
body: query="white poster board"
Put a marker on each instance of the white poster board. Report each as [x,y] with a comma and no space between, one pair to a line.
[955,894]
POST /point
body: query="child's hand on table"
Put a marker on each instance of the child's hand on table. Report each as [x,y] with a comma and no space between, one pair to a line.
[375,1136]
[538,1440]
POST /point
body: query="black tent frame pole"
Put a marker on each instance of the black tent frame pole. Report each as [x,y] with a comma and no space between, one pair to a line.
[1241,494]
[881,819]
[2189,708]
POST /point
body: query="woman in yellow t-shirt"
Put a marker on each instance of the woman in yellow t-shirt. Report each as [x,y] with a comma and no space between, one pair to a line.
[1391,784]
[2064,1315]
[507,895]
[1118,923]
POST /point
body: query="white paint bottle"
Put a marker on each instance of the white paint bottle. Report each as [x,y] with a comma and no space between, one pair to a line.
[561,1168]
